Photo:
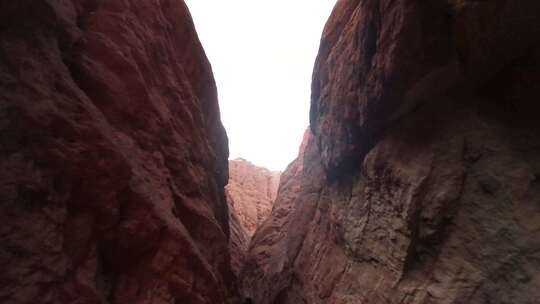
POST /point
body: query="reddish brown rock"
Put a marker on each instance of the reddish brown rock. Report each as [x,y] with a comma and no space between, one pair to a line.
[112,154]
[251,192]
[262,267]
[420,183]
[238,242]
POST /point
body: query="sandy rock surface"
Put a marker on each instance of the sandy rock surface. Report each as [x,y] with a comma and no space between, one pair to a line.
[421,180]
[113,158]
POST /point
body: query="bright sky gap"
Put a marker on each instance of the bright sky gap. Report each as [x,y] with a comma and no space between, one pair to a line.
[262,54]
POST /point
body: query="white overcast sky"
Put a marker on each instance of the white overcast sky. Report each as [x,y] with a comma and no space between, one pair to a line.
[262,54]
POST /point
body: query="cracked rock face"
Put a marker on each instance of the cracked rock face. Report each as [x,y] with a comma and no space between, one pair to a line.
[250,194]
[420,182]
[113,157]
[263,262]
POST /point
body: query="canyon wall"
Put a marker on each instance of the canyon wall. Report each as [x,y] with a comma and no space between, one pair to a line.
[421,180]
[261,272]
[113,158]
[250,194]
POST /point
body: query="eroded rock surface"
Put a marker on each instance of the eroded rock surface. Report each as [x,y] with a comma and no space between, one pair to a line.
[113,158]
[420,182]
[238,242]
[251,192]
[260,267]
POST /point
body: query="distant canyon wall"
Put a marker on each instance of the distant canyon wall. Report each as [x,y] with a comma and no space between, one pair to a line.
[250,194]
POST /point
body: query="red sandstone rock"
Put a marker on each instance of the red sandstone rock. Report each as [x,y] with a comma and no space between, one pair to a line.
[251,192]
[113,158]
[262,267]
[238,242]
[421,181]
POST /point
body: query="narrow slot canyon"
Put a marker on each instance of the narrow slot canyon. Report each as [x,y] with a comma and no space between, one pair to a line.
[417,180]
[251,193]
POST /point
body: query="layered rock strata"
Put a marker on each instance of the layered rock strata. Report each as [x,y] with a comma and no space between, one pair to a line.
[112,154]
[421,181]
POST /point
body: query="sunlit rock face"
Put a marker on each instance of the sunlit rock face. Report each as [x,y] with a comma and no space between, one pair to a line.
[421,180]
[112,154]
[250,194]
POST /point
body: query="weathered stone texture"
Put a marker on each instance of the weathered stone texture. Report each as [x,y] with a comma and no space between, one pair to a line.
[113,158]
[421,182]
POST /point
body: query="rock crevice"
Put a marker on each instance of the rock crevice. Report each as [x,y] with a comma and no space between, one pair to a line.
[250,194]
